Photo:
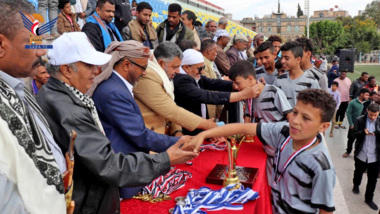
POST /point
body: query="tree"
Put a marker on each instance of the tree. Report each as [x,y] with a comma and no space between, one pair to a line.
[372,11]
[361,34]
[299,11]
[327,36]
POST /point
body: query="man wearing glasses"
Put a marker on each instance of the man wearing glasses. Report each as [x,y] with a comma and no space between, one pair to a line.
[193,91]
[119,113]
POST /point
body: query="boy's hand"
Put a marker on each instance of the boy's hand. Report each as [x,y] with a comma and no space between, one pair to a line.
[194,144]
[178,156]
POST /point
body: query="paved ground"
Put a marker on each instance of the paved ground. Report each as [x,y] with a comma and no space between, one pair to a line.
[347,202]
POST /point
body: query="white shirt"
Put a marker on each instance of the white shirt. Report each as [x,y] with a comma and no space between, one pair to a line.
[129,85]
[18,85]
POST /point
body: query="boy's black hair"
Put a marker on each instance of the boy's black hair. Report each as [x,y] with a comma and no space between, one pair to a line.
[274,38]
[242,68]
[294,47]
[370,78]
[255,52]
[364,73]
[374,107]
[267,45]
[278,64]
[174,7]
[363,91]
[320,99]
[335,83]
[198,24]
[62,3]
[101,3]
[187,44]
[190,16]
[207,44]
[344,71]
[307,44]
[372,93]
[143,5]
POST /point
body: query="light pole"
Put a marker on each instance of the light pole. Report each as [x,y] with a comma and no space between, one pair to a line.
[307,15]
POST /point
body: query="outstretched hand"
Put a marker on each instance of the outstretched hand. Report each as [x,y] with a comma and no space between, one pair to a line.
[179,155]
[194,144]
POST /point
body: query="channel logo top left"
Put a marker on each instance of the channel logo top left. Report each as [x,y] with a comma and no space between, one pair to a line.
[32,22]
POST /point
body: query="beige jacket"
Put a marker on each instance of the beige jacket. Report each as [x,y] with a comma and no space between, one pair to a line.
[158,108]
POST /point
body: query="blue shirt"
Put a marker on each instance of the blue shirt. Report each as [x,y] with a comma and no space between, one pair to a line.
[368,152]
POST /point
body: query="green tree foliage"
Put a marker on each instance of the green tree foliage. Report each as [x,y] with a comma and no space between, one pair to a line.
[372,11]
[299,11]
[361,34]
[327,36]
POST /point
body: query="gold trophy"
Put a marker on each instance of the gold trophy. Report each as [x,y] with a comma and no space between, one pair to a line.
[233,150]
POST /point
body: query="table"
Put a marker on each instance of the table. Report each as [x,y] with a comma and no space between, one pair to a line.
[250,155]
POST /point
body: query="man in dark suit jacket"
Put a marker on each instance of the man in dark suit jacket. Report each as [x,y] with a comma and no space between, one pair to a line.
[193,90]
[367,152]
[119,114]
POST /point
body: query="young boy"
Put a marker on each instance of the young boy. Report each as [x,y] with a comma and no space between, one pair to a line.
[336,96]
[295,80]
[309,68]
[267,57]
[304,176]
[271,104]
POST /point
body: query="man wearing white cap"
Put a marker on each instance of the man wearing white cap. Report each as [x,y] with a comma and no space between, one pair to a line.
[99,171]
[193,90]
[222,37]
[237,44]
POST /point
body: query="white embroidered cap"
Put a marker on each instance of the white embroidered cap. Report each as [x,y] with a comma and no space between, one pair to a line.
[74,47]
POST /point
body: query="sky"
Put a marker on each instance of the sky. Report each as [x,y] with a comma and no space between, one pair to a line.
[252,8]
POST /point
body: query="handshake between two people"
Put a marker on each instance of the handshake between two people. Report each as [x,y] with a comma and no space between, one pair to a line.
[187,148]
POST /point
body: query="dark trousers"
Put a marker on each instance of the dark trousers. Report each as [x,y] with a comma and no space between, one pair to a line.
[372,173]
[341,112]
[350,140]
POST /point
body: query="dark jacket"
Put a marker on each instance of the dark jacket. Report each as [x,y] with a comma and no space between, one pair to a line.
[201,32]
[210,91]
[122,11]
[184,33]
[98,171]
[360,125]
[233,55]
[355,88]
[115,106]
[94,34]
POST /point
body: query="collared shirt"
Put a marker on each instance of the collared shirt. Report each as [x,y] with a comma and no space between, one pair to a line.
[368,152]
[18,85]
[129,85]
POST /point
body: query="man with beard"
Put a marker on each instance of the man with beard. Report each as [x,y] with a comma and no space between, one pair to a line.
[238,42]
[140,29]
[99,27]
[173,29]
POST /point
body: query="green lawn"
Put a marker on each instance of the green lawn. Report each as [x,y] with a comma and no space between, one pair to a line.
[373,70]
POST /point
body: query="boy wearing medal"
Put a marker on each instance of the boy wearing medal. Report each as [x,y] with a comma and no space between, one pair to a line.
[303,178]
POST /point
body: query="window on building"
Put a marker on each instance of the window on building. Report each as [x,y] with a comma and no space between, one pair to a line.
[260,28]
[289,28]
[321,15]
[297,28]
[269,28]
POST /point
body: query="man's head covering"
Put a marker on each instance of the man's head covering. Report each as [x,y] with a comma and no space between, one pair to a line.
[191,57]
[234,38]
[220,33]
[129,49]
[257,37]
[74,47]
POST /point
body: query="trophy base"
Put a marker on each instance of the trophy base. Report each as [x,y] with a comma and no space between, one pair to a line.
[247,175]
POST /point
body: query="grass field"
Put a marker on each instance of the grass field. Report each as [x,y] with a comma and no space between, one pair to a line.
[373,70]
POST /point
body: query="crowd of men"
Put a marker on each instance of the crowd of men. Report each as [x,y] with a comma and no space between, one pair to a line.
[136,96]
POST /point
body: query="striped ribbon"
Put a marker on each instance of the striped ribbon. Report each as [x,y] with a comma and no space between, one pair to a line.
[229,198]
[219,146]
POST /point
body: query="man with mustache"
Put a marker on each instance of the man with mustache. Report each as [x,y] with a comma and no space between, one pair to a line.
[173,29]
[31,162]
[99,170]
[37,81]
[100,29]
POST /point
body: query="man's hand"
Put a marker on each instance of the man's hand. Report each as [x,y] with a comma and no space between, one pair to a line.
[178,156]
[185,139]
[351,127]
[194,144]
[207,124]
[82,15]
[251,92]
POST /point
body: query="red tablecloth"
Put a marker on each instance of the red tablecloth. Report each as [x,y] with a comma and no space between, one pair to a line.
[250,155]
